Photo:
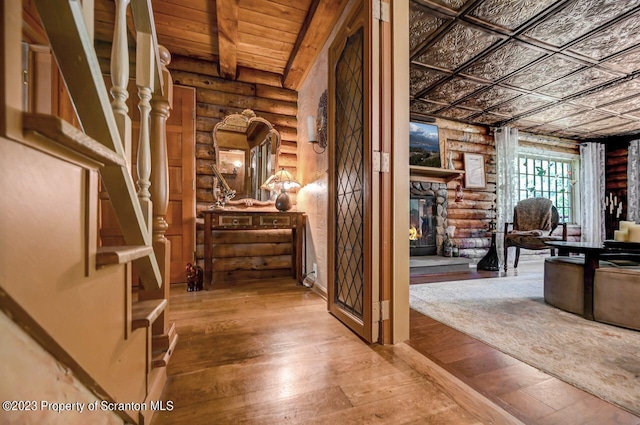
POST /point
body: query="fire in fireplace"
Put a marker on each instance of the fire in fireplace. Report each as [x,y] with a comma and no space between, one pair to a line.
[422,225]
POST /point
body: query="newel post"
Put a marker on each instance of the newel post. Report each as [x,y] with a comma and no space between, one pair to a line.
[161,105]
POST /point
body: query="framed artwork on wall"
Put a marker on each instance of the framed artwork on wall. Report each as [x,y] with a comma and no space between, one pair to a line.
[424,145]
[474,176]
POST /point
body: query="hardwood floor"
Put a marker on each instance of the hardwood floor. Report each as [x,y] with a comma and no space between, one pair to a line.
[532,396]
[268,352]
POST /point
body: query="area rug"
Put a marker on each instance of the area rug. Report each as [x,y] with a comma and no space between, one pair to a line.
[509,313]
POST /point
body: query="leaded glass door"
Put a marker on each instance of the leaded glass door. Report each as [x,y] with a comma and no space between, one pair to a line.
[349,243]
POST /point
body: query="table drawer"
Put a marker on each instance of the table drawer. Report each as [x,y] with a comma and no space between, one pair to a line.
[235,220]
[275,220]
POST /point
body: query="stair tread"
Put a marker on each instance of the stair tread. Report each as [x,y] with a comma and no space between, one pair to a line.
[63,133]
[162,357]
[121,254]
[144,313]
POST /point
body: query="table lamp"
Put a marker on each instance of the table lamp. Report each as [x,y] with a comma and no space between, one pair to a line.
[282,181]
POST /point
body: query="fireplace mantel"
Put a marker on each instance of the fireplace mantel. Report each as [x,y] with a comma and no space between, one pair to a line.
[433,174]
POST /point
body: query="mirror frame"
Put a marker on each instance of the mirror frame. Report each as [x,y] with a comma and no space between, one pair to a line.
[241,123]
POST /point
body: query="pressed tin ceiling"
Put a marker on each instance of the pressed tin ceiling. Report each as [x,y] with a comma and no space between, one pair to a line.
[563,68]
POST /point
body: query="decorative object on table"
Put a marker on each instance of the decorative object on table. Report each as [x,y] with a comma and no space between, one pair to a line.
[317,127]
[474,176]
[534,221]
[629,231]
[222,192]
[281,181]
[622,234]
[194,278]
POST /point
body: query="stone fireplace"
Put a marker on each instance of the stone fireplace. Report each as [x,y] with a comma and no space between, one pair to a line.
[428,215]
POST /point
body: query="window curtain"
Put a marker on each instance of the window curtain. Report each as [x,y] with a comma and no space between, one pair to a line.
[592,186]
[507,181]
[633,182]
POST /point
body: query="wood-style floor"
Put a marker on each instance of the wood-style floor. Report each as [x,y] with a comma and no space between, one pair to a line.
[269,353]
[529,394]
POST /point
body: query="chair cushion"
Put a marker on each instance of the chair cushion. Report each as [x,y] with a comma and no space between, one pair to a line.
[528,241]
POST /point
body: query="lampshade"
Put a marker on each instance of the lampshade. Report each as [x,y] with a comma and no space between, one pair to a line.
[282,181]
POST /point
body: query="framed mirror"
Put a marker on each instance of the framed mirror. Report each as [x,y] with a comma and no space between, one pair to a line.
[246,149]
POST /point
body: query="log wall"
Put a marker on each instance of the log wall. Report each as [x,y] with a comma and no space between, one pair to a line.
[471,216]
[215,99]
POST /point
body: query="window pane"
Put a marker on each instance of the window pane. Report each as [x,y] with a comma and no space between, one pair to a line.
[549,178]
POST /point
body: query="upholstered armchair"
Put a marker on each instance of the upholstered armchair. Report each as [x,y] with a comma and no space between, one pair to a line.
[534,221]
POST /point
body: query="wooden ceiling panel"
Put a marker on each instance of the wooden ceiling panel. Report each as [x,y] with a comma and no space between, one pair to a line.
[246,28]
[277,23]
[546,65]
[269,9]
[203,15]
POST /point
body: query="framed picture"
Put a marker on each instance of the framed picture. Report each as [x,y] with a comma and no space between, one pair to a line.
[424,145]
[474,177]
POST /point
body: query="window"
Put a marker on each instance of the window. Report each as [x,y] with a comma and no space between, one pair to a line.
[552,178]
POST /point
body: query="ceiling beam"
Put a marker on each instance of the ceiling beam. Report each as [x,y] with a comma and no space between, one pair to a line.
[227,16]
[320,20]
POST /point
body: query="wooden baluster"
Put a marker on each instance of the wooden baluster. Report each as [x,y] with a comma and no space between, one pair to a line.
[160,109]
[120,77]
[145,61]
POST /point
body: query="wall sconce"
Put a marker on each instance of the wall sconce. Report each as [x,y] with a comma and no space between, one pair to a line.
[317,126]
[282,181]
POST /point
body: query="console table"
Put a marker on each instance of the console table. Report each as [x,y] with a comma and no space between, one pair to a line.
[243,220]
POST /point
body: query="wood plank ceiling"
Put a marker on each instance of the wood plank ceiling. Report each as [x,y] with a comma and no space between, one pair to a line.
[563,68]
[279,37]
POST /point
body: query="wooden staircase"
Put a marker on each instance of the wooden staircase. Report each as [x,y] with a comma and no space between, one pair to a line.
[89,295]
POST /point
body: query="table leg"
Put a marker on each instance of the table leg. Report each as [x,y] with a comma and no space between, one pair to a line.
[208,271]
[591,263]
